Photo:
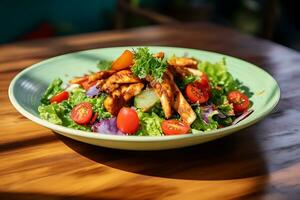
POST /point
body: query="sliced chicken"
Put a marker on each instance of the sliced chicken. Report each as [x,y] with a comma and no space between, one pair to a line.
[100,75]
[113,104]
[78,80]
[119,97]
[121,77]
[164,92]
[183,62]
[182,106]
[129,91]
[185,71]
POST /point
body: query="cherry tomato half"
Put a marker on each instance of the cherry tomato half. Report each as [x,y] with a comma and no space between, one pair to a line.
[204,81]
[196,93]
[128,121]
[94,118]
[64,95]
[239,100]
[82,113]
[174,127]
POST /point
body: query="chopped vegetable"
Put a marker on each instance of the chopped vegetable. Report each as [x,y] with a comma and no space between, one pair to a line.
[107,126]
[82,113]
[146,100]
[174,127]
[93,91]
[204,120]
[239,100]
[150,124]
[124,61]
[196,93]
[242,116]
[64,95]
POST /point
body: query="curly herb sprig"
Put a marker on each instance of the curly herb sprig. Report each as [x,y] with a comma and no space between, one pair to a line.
[145,64]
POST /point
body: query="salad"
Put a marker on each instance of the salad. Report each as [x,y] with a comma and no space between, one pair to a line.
[146,94]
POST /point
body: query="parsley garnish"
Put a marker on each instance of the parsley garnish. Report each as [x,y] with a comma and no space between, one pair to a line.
[145,64]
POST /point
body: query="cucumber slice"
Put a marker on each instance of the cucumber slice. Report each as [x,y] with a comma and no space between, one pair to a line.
[146,99]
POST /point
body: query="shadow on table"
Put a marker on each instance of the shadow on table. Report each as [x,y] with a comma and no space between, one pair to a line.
[233,157]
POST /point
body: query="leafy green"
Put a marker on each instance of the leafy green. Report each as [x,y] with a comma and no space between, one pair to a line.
[104,64]
[145,64]
[199,123]
[53,88]
[218,75]
[59,114]
[78,95]
[157,109]
[189,79]
[150,124]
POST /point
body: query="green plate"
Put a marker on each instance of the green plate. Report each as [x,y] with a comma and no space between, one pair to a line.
[29,85]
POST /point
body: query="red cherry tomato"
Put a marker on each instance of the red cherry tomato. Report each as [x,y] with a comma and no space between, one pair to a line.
[82,113]
[128,121]
[239,100]
[94,118]
[64,95]
[196,93]
[174,127]
[204,81]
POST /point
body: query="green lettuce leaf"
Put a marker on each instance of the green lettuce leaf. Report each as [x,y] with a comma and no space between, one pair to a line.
[150,124]
[59,114]
[78,95]
[218,75]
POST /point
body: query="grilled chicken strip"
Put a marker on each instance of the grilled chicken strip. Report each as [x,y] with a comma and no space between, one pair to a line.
[185,71]
[100,75]
[114,104]
[120,77]
[129,91]
[182,106]
[164,92]
[121,96]
[183,62]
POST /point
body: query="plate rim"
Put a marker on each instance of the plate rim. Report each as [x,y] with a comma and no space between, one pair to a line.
[233,128]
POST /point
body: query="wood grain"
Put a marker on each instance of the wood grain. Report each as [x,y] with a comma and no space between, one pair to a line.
[260,162]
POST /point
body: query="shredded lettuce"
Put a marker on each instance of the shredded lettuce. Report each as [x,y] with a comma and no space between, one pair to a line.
[53,88]
[150,124]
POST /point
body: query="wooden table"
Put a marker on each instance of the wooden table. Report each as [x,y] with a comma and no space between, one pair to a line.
[260,162]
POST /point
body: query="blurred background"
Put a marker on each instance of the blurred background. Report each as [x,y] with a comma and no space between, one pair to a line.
[276,20]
